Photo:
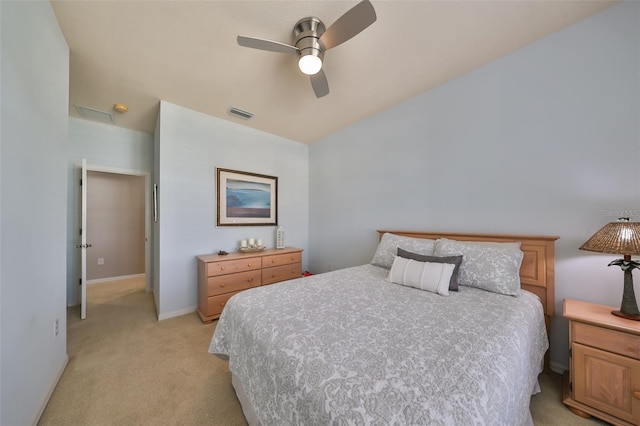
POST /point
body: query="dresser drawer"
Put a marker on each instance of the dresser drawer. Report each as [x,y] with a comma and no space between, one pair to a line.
[233,266]
[233,282]
[605,339]
[222,276]
[281,259]
[281,273]
[215,304]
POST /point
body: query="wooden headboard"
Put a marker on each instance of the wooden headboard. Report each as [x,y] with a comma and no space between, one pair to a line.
[537,271]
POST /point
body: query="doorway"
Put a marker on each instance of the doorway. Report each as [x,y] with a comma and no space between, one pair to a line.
[115,226]
[117,223]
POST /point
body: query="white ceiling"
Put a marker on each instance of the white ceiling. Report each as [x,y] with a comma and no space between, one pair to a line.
[185,52]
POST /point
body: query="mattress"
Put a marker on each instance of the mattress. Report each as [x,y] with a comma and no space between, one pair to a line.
[349,347]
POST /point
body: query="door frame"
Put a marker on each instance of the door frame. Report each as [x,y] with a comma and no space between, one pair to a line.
[147,212]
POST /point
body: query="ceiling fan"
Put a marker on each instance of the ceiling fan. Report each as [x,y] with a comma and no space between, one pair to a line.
[312,39]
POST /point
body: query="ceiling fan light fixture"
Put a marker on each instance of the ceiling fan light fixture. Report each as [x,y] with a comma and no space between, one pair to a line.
[312,39]
[310,64]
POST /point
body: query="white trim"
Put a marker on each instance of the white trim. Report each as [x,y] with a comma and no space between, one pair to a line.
[122,277]
[116,170]
[52,387]
[178,313]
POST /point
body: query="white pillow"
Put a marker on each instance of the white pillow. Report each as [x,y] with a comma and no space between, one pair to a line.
[428,276]
[388,248]
[491,267]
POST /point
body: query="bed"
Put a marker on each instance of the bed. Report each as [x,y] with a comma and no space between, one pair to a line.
[352,347]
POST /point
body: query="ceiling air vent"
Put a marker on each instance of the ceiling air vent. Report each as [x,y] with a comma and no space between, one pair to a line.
[95,114]
[240,113]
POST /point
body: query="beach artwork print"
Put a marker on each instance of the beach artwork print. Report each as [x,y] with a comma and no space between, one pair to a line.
[245,198]
[248,199]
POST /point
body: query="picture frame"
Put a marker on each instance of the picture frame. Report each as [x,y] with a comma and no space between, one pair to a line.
[246,199]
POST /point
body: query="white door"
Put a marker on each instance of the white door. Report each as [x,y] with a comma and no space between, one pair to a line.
[83,241]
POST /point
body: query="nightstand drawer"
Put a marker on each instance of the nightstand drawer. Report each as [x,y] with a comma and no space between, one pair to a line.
[233,266]
[608,340]
[281,259]
[234,282]
[606,382]
[281,273]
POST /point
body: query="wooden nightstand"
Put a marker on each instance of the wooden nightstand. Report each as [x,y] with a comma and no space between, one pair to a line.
[604,375]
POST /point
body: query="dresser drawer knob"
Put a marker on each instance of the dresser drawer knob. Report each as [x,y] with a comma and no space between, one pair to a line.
[222,304]
[249,265]
[636,394]
[221,285]
[250,280]
[222,268]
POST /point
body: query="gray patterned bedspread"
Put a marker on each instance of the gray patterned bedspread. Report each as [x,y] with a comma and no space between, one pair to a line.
[348,347]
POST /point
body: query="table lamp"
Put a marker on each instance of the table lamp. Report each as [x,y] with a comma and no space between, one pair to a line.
[621,237]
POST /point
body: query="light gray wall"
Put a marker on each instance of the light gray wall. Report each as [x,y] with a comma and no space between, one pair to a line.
[105,146]
[543,141]
[35,87]
[191,146]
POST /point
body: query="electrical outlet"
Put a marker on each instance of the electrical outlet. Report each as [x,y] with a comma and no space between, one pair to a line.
[56,328]
[101,261]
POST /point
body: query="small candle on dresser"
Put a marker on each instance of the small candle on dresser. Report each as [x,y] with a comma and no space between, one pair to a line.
[243,243]
[259,243]
[251,241]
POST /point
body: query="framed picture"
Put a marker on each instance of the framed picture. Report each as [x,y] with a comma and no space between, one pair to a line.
[246,199]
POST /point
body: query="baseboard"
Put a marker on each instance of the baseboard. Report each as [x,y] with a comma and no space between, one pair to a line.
[122,277]
[179,313]
[52,387]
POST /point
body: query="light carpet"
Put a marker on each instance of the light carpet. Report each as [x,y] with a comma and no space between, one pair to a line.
[127,368]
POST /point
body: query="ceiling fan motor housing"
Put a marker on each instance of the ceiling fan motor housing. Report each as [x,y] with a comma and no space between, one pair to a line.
[307,32]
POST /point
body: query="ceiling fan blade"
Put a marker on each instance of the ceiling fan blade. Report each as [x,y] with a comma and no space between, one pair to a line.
[348,25]
[269,45]
[320,84]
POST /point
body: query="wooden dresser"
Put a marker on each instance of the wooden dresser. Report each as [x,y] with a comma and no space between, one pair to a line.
[220,277]
[604,375]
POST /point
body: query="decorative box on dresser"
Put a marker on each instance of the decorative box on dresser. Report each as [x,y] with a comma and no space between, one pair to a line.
[222,276]
[604,364]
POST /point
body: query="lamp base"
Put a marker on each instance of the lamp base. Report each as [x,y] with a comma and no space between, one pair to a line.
[627,316]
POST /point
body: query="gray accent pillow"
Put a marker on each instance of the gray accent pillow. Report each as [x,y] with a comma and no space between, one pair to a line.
[456,260]
[489,267]
[388,248]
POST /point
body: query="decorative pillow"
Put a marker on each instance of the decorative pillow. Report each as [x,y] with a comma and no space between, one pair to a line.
[511,244]
[432,277]
[489,267]
[455,260]
[388,248]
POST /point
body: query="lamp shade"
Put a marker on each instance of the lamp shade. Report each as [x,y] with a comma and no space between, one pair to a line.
[621,237]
